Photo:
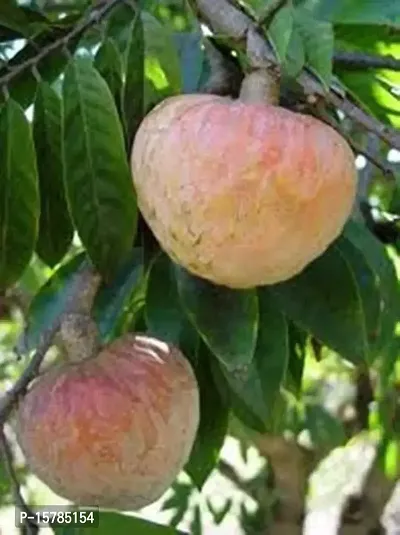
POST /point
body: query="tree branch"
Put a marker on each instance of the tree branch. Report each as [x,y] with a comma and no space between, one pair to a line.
[362,60]
[32,529]
[95,15]
[225,18]
[80,300]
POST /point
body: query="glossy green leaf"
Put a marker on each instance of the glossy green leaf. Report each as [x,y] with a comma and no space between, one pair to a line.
[133,92]
[213,423]
[164,313]
[258,384]
[108,62]
[121,524]
[19,195]
[97,176]
[227,320]
[55,227]
[325,300]
[318,42]
[280,31]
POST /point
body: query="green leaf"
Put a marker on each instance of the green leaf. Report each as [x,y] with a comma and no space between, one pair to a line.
[384,12]
[227,320]
[325,300]
[280,32]
[109,64]
[133,93]
[213,423]
[164,314]
[192,59]
[368,286]
[19,196]
[162,65]
[49,303]
[119,523]
[97,176]
[318,42]
[13,17]
[257,385]
[22,87]
[108,307]
[297,358]
[372,88]
[295,56]
[113,299]
[55,228]
[326,431]
[382,267]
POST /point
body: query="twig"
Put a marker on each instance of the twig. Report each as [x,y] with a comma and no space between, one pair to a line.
[19,501]
[225,18]
[80,299]
[362,60]
[382,165]
[96,14]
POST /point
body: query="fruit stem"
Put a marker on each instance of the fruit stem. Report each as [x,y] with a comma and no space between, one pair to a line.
[260,87]
[80,337]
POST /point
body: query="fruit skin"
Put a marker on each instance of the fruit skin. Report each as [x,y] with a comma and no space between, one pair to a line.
[115,430]
[238,193]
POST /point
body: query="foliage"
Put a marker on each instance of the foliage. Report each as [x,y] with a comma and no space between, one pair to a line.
[67,121]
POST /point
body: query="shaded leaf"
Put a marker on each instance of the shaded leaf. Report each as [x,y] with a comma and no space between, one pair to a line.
[213,423]
[327,432]
[257,386]
[13,17]
[324,299]
[368,286]
[113,299]
[376,256]
[49,303]
[23,86]
[164,314]
[192,59]
[55,227]
[297,357]
[373,88]
[19,196]
[133,94]
[162,64]
[227,320]
[97,176]
[109,64]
